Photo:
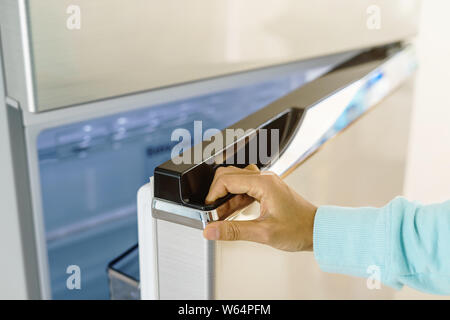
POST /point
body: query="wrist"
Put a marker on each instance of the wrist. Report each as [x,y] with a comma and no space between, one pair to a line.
[310,237]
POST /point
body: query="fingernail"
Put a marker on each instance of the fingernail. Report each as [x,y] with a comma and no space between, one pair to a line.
[211,233]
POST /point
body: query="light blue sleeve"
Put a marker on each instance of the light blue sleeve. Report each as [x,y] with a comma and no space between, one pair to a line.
[408,243]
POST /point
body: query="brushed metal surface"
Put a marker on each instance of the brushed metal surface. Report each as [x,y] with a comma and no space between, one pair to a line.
[185,262]
[19,270]
[145,44]
[312,68]
[176,213]
[15,46]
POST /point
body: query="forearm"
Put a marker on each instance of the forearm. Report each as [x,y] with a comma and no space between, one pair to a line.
[407,242]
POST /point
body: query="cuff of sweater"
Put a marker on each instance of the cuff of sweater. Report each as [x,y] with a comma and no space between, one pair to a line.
[350,240]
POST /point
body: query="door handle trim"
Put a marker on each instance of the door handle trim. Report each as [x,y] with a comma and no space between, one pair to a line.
[357,71]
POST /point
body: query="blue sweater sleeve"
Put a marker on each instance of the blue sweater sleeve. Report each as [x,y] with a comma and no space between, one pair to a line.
[406,242]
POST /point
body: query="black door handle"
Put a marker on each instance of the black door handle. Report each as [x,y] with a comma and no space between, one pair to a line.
[188,183]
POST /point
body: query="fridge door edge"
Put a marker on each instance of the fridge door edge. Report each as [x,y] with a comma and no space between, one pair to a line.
[148,265]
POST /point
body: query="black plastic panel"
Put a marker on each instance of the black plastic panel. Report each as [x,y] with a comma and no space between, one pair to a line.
[189,185]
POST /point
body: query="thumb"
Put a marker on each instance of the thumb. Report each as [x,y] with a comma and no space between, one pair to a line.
[235,230]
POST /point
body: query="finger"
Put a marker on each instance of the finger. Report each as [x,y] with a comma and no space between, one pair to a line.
[252,167]
[221,171]
[253,184]
[236,230]
[236,203]
[234,170]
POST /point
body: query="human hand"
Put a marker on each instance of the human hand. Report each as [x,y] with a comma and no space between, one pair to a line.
[286,220]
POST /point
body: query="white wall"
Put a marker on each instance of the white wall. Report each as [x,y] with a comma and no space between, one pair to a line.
[428,172]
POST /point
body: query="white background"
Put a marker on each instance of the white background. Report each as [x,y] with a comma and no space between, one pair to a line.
[428,172]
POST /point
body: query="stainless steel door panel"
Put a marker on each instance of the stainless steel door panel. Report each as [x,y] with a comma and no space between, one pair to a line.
[347,174]
[185,262]
[362,166]
[145,44]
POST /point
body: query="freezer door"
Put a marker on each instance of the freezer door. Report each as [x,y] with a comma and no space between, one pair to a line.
[175,260]
[61,53]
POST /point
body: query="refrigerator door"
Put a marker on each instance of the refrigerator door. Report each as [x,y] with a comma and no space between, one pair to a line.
[176,262]
[61,53]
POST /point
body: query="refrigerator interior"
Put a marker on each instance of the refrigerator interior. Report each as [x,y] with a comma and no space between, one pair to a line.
[123,274]
[91,171]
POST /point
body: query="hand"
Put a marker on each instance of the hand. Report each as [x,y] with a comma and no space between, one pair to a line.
[286,220]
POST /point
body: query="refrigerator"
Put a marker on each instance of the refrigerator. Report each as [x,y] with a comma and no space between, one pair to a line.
[92,92]
[176,262]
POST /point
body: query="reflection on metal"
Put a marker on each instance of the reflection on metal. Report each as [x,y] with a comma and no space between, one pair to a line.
[119,51]
[329,116]
[176,213]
